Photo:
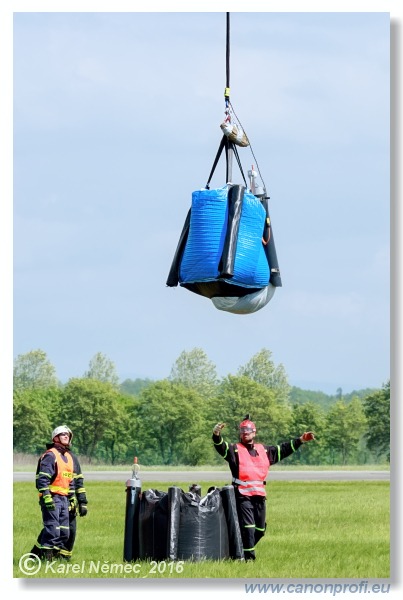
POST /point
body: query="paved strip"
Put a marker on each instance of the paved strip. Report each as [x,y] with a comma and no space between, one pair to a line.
[222,476]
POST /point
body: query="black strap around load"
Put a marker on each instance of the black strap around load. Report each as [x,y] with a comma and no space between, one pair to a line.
[227,262]
[217,158]
[228,145]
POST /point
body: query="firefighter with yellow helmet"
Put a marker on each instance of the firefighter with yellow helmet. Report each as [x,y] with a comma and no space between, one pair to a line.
[60,484]
[249,464]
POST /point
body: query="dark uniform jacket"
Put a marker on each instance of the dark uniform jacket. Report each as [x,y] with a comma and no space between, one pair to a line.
[47,470]
[274,453]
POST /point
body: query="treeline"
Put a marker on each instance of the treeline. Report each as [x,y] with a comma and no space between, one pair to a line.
[170,421]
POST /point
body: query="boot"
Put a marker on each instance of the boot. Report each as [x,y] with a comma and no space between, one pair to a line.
[37,551]
[48,555]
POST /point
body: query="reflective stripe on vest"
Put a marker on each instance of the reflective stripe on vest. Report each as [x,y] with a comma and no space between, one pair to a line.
[252,471]
[65,473]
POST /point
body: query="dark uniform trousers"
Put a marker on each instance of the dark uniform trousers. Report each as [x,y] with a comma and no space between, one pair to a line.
[252,519]
[56,528]
[68,547]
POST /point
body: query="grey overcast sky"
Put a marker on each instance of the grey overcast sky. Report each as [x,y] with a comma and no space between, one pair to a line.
[116,122]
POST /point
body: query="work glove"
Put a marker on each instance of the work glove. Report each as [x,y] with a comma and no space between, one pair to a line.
[49,502]
[82,510]
[307,436]
[217,429]
[72,507]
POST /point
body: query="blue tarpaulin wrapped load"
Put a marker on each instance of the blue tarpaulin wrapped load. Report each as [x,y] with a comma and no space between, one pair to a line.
[180,525]
[221,253]
[207,234]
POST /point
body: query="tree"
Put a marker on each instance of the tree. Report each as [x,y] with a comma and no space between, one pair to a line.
[33,370]
[361,394]
[300,396]
[346,423]
[262,369]
[308,417]
[119,441]
[170,419]
[34,417]
[239,396]
[194,370]
[90,409]
[29,424]
[102,369]
[133,387]
[377,411]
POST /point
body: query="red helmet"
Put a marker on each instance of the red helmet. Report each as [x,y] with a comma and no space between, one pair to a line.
[247,426]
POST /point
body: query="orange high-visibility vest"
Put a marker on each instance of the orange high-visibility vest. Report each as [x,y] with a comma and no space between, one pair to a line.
[65,473]
[252,471]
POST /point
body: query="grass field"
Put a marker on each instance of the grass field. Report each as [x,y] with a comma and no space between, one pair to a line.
[314,530]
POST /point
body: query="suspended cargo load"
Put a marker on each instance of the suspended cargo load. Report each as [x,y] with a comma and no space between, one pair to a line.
[222,253]
[226,250]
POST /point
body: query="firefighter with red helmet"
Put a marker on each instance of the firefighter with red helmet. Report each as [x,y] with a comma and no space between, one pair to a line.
[249,463]
[60,484]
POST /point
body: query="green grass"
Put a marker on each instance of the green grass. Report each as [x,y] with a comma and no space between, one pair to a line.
[314,530]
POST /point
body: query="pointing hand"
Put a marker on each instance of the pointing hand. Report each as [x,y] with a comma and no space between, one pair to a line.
[217,429]
[307,436]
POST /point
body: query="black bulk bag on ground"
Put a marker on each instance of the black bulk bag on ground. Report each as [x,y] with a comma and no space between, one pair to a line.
[203,532]
[153,525]
[178,525]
